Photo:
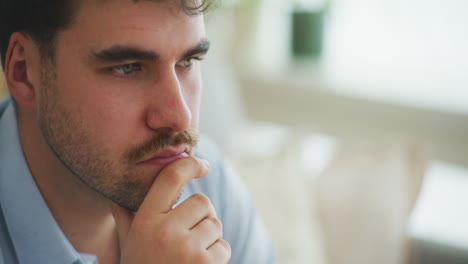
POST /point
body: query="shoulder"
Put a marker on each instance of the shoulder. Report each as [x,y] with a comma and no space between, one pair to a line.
[7,251]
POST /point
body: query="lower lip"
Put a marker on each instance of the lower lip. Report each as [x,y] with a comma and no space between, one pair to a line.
[166,160]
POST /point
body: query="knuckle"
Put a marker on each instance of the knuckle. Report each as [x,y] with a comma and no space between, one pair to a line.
[216,224]
[141,225]
[226,246]
[221,252]
[174,176]
[201,257]
[202,200]
[191,253]
[165,234]
[187,250]
[198,165]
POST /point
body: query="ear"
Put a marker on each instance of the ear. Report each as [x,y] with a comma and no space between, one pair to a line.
[22,71]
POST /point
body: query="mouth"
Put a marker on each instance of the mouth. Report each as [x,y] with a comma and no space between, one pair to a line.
[167,155]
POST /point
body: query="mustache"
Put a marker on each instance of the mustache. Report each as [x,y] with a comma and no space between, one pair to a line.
[159,141]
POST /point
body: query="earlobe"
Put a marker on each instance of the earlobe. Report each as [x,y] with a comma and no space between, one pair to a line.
[17,76]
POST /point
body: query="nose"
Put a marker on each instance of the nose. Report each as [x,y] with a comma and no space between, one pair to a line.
[168,108]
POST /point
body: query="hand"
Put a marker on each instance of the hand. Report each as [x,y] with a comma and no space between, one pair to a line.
[157,233]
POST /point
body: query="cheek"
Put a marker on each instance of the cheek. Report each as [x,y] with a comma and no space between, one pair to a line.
[107,115]
[113,117]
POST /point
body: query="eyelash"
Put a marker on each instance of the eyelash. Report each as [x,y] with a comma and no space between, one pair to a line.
[114,69]
[126,72]
[190,61]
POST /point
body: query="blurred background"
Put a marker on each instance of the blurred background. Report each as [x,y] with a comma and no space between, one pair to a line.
[348,120]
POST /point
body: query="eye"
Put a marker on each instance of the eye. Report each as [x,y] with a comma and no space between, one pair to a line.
[188,62]
[126,69]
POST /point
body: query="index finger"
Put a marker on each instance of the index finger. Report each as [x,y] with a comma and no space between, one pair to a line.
[169,183]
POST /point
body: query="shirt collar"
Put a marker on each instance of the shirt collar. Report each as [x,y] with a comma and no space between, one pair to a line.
[35,234]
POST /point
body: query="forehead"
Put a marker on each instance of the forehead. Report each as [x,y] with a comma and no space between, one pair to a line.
[145,23]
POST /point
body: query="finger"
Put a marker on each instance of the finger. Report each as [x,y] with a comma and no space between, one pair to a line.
[169,183]
[123,220]
[220,251]
[193,210]
[207,232]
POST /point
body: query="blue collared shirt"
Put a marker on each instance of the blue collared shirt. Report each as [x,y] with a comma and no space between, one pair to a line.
[30,234]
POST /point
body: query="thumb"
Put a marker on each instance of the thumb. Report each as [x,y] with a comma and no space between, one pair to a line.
[123,220]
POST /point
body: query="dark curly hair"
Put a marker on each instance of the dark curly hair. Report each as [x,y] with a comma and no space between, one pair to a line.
[43,19]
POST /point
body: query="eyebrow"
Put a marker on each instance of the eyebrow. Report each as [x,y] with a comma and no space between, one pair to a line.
[120,53]
[201,48]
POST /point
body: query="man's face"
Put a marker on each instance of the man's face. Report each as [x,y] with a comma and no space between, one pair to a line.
[121,100]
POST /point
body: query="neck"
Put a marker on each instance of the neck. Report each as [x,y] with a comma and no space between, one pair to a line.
[83,215]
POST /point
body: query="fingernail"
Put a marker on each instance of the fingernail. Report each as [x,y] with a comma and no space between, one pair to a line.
[206,163]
